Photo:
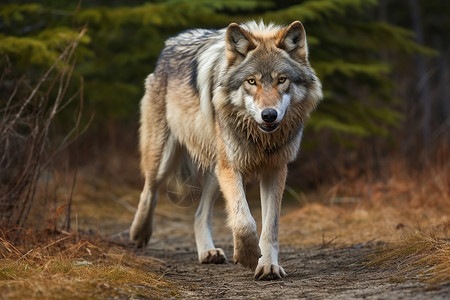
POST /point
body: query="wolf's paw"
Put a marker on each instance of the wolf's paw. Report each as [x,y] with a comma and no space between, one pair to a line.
[140,233]
[213,256]
[246,250]
[269,272]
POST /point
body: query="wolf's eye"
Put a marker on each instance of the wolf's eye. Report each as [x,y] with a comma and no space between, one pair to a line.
[251,81]
[281,80]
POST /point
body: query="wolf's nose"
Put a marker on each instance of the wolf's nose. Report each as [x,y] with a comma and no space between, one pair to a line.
[269,115]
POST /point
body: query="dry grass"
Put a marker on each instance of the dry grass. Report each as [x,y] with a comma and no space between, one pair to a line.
[409,211]
[65,266]
[418,253]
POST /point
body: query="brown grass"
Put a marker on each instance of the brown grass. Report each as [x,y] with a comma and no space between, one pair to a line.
[418,253]
[408,211]
[66,266]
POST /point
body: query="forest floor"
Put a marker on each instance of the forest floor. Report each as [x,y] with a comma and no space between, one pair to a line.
[324,270]
[331,248]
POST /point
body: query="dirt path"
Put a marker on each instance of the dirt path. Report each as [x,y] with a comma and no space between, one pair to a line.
[313,273]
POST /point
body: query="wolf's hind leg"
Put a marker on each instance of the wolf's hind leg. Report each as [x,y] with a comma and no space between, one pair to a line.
[142,226]
[158,150]
[207,253]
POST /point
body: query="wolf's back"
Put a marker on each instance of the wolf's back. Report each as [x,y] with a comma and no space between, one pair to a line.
[182,53]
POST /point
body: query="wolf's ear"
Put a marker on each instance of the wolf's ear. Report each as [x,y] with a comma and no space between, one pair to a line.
[293,41]
[238,42]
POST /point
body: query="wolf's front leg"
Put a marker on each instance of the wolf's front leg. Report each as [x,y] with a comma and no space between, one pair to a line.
[272,186]
[246,249]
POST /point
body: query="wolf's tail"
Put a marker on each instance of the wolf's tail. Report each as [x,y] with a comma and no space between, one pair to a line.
[184,186]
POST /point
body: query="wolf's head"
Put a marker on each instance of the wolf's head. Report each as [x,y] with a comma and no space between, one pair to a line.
[268,71]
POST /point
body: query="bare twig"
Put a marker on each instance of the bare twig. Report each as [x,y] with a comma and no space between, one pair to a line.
[24,255]
[25,135]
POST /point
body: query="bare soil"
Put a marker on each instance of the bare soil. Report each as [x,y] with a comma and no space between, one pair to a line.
[322,271]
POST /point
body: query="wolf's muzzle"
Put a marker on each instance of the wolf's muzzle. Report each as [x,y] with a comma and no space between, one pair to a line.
[268,127]
[269,116]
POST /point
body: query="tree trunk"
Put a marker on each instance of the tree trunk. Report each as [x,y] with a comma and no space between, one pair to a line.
[423,86]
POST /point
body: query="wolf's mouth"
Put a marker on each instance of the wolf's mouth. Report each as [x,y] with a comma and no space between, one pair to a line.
[268,127]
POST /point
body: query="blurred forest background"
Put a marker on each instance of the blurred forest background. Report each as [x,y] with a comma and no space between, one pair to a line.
[71,78]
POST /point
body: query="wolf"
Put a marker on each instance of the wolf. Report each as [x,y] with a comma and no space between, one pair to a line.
[235,101]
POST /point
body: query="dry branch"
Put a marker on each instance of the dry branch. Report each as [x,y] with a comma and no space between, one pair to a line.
[27,140]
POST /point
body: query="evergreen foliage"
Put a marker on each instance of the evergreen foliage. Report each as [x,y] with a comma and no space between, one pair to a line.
[123,42]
